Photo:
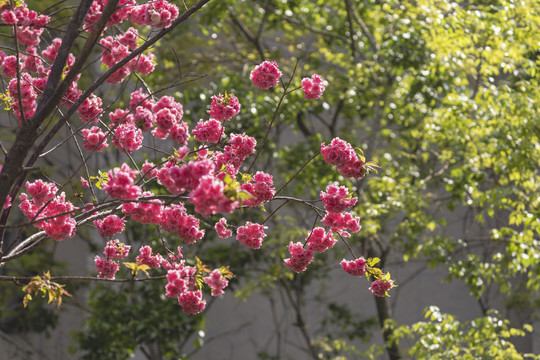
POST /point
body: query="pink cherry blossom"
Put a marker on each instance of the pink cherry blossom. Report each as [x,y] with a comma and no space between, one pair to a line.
[145,64]
[149,170]
[224,107]
[239,148]
[52,50]
[354,267]
[313,88]
[143,119]
[222,229]
[174,218]
[208,131]
[146,258]
[27,94]
[90,110]
[59,224]
[341,222]
[336,199]
[121,185]
[173,261]
[192,302]
[94,139]
[106,268]
[41,191]
[300,257]
[380,287]
[265,75]
[338,153]
[159,14]
[180,133]
[260,187]
[209,197]
[177,284]
[140,99]
[144,211]
[110,225]
[117,17]
[320,241]
[128,138]
[121,115]
[251,235]
[342,155]
[114,249]
[10,65]
[217,282]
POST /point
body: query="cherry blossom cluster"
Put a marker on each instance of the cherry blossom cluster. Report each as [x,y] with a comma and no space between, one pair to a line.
[342,155]
[27,94]
[342,223]
[318,240]
[239,148]
[209,197]
[120,184]
[146,257]
[222,229]
[147,211]
[114,249]
[94,139]
[313,87]
[224,107]
[217,282]
[30,24]
[118,47]
[251,235]
[110,225]
[336,199]
[180,281]
[163,117]
[97,7]
[360,267]
[106,269]
[260,188]
[266,75]
[90,110]
[209,131]
[42,203]
[183,282]
[355,267]
[158,14]
[380,287]
[174,218]
[300,257]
